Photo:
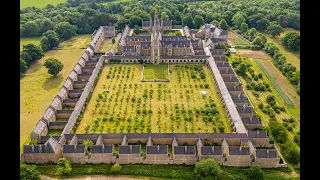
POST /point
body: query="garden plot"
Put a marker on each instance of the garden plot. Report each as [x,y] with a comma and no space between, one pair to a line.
[121,103]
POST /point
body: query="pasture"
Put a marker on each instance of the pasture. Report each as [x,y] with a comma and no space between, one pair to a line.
[38,88]
[39,3]
[121,103]
[155,72]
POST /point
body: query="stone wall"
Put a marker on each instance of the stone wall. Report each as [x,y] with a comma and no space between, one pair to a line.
[184,159]
[129,159]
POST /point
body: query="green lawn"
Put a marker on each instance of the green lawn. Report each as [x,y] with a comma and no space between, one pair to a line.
[25,41]
[38,88]
[39,3]
[155,71]
[121,103]
[235,40]
[292,57]
[161,171]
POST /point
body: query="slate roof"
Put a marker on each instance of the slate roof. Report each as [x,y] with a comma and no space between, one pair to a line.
[245,109]
[211,150]
[108,28]
[257,134]
[223,64]
[146,23]
[58,123]
[184,43]
[136,38]
[184,150]
[174,38]
[75,91]
[64,111]
[145,45]
[184,57]
[160,149]
[266,153]
[51,146]
[234,88]
[129,49]
[41,125]
[220,58]
[230,79]
[70,101]
[129,149]
[80,82]
[240,99]
[253,120]
[166,23]
[176,26]
[101,149]
[239,150]
[80,148]
[226,71]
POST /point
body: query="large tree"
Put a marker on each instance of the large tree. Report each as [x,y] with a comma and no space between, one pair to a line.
[198,21]
[23,66]
[135,20]
[207,169]
[223,24]
[49,40]
[64,167]
[54,66]
[238,19]
[31,28]
[291,40]
[274,29]
[188,21]
[244,27]
[45,25]
[255,173]
[31,52]
[65,30]
[28,172]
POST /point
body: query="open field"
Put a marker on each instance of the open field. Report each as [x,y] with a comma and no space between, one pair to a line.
[253,54]
[155,71]
[38,88]
[121,103]
[235,40]
[290,92]
[292,57]
[115,1]
[161,171]
[291,111]
[25,41]
[39,3]
[106,46]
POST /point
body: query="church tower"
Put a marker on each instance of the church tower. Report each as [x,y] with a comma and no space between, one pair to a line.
[155,40]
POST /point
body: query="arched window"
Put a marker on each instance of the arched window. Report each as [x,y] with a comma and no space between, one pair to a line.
[169,60]
[180,60]
[188,61]
[130,60]
[184,60]
[191,60]
[196,60]
[127,60]
[200,60]
[134,61]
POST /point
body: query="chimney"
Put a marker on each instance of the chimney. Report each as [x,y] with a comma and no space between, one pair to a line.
[158,149]
[212,149]
[240,148]
[130,148]
[185,149]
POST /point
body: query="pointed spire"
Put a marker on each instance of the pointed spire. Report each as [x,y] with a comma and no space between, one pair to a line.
[100,140]
[149,143]
[124,141]
[74,140]
[174,142]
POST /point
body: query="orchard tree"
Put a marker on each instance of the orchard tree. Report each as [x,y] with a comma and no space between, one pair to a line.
[207,169]
[64,167]
[49,40]
[223,24]
[65,30]
[255,173]
[178,33]
[28,172]
[275,29]
[198,21]
[54,66]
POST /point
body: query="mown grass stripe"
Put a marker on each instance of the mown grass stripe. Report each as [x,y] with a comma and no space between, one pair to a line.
[274,83]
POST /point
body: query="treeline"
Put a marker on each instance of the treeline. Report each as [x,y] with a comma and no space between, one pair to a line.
[88,15]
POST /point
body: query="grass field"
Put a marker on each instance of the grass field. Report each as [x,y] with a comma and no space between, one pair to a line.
[106,46]
[115,1]
[292,57]
[121,103]
[291,111]
[161,171]
[38,88]
[25,41]
[39,3]
[155,72]
[235,40]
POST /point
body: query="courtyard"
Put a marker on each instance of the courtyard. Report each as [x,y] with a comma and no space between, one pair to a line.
[121,103]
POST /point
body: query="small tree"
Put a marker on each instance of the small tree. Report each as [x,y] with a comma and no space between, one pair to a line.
[54,66]
[113,40]
[275,29]
[23,66]
[206,169]
[178,33]
[223,24]
[64,167]
[255,173]
[244,27]
[133,34]
[29,172]
[115,168]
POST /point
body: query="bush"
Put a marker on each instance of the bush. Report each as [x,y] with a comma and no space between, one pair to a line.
[289,128]
[64,167]
[207,169]
[115,168]
[278,132]
[206,85]
[255,94]
[28,172]
[271,100]
[255,173]
[290,152]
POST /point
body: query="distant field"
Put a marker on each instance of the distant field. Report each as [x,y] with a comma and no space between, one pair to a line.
[235,40]
[292,57]
[39,3]
[25,41]
[155,72]
[38,88]
[115,1]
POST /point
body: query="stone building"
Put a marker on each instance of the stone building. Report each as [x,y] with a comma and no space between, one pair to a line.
[267,158]
[156,154]
[236,155]
[183,154]
[214,152]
